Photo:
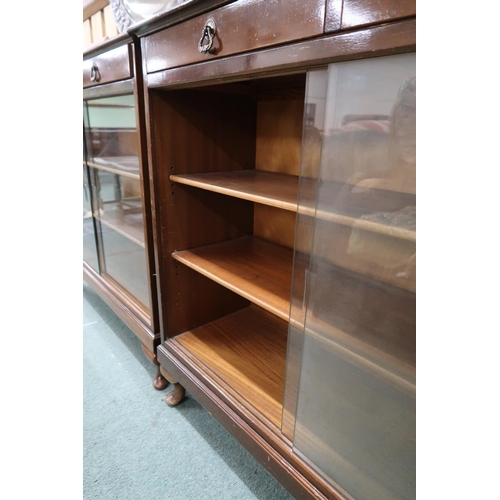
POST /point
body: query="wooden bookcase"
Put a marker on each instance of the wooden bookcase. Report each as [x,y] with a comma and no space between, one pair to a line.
[236,173]
[283,228]
[118,246]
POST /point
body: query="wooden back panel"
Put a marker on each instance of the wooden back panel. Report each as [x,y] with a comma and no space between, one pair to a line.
[198,131]
[278,149]
[216,129]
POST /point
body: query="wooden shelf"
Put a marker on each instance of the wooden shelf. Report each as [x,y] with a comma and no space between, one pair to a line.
[268,188]
[246,353]
[253,268]
[281,191]
[127,166]
[128,222]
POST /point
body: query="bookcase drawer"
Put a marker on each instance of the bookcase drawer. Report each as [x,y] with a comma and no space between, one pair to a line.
[110,66]
[232,29]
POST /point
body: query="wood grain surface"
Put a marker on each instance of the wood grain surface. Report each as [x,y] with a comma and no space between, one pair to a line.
[246,351]
[274,224]
[240,26]
[389,38]
[253,268]
[279,133]
[193,131]
[113,65]
[362,12]
[280,191]
[277,190]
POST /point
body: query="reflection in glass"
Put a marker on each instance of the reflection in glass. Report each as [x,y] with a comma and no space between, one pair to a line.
[351,354]
[116,189]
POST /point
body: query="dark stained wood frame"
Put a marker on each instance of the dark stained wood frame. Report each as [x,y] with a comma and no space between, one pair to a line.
[116,64]
[256,28]
[367,12]
[357,13]
[393,38]
[122,305]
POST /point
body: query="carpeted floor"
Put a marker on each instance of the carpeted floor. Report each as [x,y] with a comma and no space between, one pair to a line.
[135,446]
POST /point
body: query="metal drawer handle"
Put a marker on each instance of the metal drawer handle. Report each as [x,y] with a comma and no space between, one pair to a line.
[94,73]
[209,33]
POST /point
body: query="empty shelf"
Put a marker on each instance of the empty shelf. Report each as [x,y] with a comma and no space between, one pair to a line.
[253,268]
[281,191]
[246,352]
[268,188]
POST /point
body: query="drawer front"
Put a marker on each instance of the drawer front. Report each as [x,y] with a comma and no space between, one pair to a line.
[362,12]
[109,67]
[241,26]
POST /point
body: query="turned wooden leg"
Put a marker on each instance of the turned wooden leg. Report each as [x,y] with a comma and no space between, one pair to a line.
[176,395]
[159,381]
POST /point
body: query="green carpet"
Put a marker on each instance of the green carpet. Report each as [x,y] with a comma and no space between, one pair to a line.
[135,446]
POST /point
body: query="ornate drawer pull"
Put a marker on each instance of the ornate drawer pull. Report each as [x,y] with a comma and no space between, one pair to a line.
[209,33]
[94,73]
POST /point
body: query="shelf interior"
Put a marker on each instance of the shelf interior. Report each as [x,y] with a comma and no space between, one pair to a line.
[246,352]
[261,272]
[269,188]
[256,269]
[281,190]
[235,204]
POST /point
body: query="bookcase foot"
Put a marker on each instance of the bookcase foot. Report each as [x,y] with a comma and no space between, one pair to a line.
[159,382]
[175,396]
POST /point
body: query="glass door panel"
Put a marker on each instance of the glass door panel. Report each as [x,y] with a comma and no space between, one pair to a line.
[351,354]
[89,237]
[89,234]
[116,188]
